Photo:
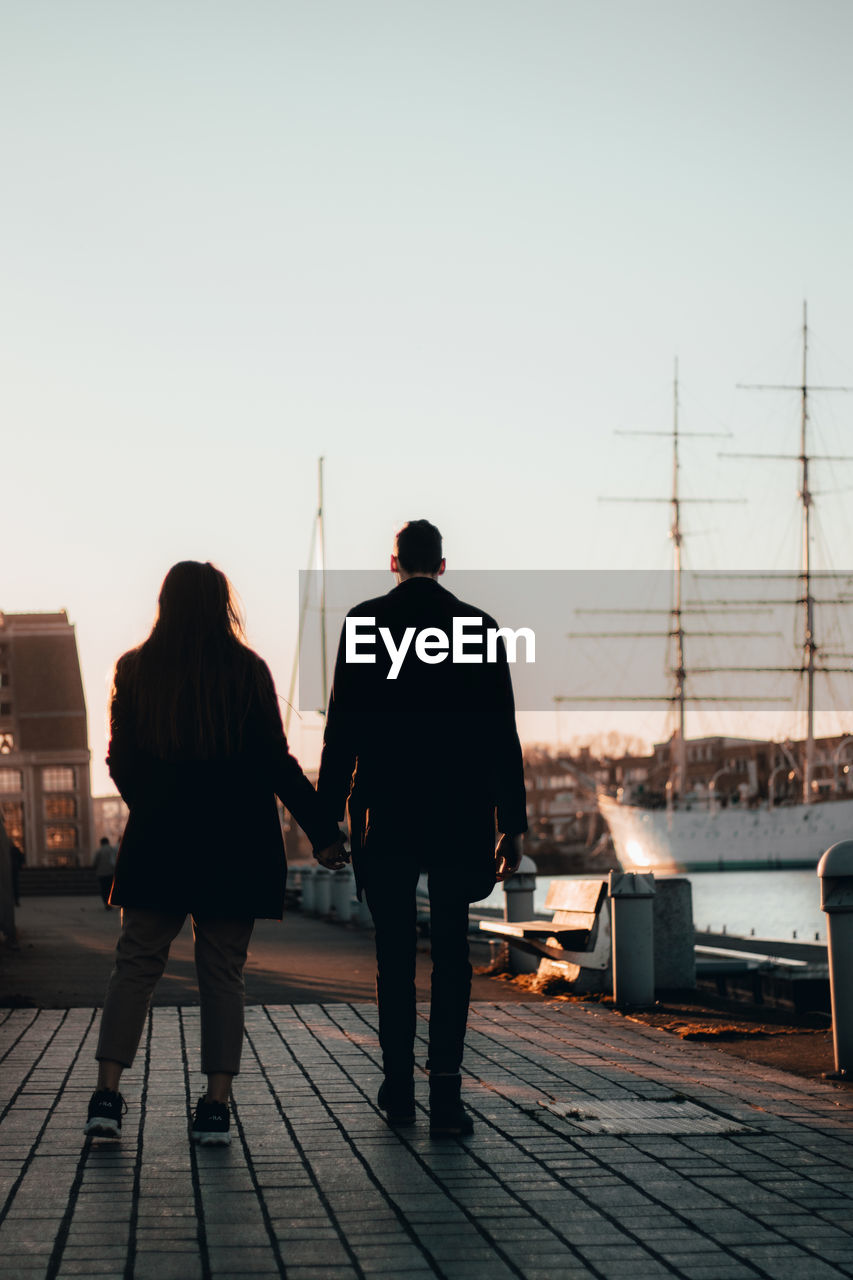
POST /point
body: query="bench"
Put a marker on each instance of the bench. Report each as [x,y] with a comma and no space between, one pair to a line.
[578,933]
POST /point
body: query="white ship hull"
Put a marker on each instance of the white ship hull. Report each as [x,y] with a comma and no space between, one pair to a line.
[725,839]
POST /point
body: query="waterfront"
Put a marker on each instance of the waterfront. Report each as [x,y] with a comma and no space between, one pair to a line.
[775,904]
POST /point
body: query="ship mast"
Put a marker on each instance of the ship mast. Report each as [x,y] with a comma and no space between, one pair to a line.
[810,648]
[316,550]
[675,614]
[321,538]
[809,642]
[680,672]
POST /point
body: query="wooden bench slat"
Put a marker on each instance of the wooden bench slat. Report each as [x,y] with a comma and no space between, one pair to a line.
[575,895]
[570,939]
[575,919]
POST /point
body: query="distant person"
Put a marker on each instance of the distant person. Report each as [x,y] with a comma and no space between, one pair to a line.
[198,752]
[104,865]
[428,759]
[17,861]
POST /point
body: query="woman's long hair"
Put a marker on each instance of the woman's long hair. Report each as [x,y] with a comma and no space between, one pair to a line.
[192,681]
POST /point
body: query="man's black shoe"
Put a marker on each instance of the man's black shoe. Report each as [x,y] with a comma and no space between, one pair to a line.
[397,1100]
[106,1108]
[447,1115]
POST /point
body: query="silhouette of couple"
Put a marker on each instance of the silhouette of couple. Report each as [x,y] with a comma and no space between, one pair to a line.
[428,765]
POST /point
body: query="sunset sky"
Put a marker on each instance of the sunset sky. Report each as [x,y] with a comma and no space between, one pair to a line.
[452,245]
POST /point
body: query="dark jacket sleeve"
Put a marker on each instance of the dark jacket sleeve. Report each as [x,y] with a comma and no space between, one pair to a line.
[340,750]
[289,782]
[507,763]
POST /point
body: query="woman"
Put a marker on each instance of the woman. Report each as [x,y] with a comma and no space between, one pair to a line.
[198,752]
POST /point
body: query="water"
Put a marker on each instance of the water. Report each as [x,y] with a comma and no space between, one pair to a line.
[773,903]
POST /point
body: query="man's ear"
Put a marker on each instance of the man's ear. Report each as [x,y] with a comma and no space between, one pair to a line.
[394,566]
[442,567]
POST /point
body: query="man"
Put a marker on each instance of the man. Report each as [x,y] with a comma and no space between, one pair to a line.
[104,864]
[425,748]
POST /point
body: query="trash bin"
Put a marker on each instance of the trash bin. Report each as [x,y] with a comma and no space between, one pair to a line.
[835,871]
[322,891]
[306,890]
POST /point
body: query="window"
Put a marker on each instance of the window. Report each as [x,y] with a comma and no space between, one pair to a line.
[60,807]
[5,680]
[7,744]
[5,708]
[11,780]
[57,779]
[61,836]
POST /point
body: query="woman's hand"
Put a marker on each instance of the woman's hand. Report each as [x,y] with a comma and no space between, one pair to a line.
[334,856]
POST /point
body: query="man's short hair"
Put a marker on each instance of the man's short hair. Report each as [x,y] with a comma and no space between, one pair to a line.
[418,547]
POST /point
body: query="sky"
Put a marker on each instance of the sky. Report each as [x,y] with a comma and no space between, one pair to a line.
[453,247]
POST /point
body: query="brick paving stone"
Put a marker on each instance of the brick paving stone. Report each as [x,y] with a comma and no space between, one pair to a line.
[90,1267]
[321,1273]
[720,1270]
[315,1180]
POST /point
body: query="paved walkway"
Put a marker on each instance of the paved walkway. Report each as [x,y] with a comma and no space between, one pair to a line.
[67,945]
[315,1186]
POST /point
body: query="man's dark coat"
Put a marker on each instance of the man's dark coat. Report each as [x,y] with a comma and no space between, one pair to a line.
[429,759]
[203,836]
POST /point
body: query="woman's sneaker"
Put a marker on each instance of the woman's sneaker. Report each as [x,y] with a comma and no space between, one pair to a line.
[106,1108]
[210,1124]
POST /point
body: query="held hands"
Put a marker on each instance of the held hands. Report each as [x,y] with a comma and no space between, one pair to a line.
[507,857]
[334,856]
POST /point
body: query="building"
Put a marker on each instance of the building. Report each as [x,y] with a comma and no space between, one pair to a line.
[109,818]
[561,805]
[725,771]
[44,742]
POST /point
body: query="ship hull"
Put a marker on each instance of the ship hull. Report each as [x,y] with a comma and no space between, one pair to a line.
[727,839]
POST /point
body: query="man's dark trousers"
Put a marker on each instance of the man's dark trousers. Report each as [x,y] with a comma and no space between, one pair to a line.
[391,895]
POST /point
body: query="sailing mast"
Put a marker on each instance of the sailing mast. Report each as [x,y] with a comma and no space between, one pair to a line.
[318,541]
[321,539]
[680,671]
[676,632]
[811,648]
[809,642]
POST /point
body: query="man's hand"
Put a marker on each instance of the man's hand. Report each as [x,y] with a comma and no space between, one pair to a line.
[334,856]
[507,857]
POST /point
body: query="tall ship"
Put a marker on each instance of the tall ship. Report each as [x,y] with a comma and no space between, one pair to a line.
[693,837]
[802,805]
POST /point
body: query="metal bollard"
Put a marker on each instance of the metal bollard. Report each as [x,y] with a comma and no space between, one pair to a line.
[306,889]
[631,896]
[322,891]
[343,888]
[835,871]
[518,891]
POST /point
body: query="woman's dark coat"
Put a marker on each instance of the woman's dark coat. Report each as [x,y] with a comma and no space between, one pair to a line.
[203,836]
